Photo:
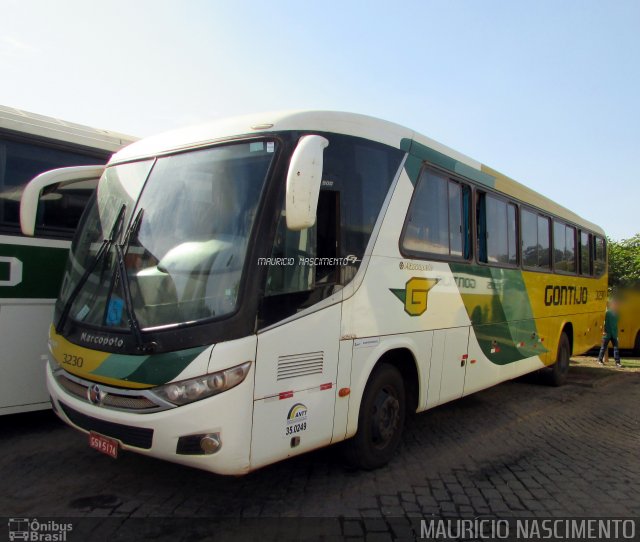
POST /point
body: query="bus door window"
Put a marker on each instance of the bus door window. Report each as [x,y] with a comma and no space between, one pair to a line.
[356,177]
[303,267]
[328,237]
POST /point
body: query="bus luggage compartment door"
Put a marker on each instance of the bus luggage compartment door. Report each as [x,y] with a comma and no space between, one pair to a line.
[448,364]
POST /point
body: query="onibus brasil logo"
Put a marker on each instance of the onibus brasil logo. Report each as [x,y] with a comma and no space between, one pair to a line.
[38,531]
[415,294]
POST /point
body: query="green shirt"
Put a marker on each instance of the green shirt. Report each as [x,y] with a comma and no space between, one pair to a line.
[611,324]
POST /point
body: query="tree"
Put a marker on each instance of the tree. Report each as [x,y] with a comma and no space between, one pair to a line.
[624,262]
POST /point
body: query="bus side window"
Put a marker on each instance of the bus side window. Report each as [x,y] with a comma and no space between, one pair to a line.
[19,163]
[544,242]
[564,247]
[600,256]
[438,220]
[586,255]
[60,208]
[536,236]
[497,231]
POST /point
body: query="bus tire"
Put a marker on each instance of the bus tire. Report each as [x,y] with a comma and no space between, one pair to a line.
[380,421]
[556,375]
[636,346]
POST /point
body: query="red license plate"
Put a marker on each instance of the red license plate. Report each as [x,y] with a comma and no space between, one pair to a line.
[103,444]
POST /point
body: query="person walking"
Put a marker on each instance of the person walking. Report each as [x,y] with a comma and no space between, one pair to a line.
[610,333]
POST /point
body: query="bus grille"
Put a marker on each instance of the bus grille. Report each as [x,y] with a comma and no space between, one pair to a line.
[295,365]
[113,400]
[139,437]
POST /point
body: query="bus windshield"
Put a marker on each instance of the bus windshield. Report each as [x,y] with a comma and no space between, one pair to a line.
[180,259]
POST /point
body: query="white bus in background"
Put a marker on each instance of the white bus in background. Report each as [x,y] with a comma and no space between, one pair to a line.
[31,267]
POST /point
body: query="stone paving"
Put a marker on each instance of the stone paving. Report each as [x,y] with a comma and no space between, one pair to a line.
[518,449]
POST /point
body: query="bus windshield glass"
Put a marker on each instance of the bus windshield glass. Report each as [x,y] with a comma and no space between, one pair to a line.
[180,257]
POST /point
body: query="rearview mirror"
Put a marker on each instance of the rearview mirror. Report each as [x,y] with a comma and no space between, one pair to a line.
[33,191]
[303,182]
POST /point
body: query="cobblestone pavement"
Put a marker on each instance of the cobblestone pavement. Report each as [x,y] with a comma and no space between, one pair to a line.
[518,449]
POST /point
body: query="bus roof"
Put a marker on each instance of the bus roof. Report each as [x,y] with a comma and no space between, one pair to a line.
[350,124]
[23,122]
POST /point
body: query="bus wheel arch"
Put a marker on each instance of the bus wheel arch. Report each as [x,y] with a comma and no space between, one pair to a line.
[556,374]
[392,387]
[404,360]
[568,330]
[381,419]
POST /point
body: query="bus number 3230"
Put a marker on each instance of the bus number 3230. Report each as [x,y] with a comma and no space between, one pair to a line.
[75,361]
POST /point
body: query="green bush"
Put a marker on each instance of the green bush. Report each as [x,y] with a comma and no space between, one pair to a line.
[624,262]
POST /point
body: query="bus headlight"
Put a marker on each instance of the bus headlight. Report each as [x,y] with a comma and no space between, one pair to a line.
[194,389]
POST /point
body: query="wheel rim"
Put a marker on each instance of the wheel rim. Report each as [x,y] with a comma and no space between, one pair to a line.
[385,417]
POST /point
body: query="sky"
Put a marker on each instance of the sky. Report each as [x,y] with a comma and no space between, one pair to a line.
[545,91]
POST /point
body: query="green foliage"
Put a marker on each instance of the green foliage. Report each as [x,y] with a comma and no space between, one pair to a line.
[624,262]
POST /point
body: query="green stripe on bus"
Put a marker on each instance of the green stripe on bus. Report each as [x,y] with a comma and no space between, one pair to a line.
[159,369]
[506,332]
[119,366]
[41,273]
[418,153]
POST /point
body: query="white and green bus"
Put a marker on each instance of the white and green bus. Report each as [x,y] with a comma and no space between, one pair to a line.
[31,268]
[255,288]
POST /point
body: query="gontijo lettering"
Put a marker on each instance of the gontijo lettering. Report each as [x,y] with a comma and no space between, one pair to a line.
[565,295]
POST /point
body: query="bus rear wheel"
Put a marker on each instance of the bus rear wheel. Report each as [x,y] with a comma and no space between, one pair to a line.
[556,375]
[380,421]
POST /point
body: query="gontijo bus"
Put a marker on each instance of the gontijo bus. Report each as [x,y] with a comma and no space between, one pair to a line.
[31,268]
[252,289]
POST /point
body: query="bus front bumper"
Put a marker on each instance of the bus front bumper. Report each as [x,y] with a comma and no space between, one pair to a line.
[174,434]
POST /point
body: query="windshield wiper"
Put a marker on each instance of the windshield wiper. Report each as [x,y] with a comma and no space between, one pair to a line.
[104,249]
[134,325]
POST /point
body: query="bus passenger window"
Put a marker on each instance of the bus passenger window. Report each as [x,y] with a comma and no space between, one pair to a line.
[535,239]
[600,256]
[544,242]
[497,231]
[564,247]
[438,218]
[570,252]
[585,253]
[21,162]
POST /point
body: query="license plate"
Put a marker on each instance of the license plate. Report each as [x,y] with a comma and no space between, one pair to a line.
[103,444]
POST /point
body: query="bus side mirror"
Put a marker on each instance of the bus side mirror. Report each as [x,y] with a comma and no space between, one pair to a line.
[32,193]
[303,182]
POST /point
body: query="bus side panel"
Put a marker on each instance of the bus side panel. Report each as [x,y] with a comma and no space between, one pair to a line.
[481,371]
[30,276]
[586,331]
[558,300]
[343,381]
[629,323]
[23,332]
[295,386]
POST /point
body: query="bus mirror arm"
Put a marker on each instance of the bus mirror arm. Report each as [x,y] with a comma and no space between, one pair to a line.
[304,179]
[33,190]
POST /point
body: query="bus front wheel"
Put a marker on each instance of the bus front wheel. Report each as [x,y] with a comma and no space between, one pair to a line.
[380,421]
[556,375]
